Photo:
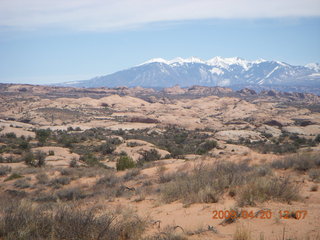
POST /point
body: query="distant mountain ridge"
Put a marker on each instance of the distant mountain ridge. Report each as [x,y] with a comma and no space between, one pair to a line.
[217,71]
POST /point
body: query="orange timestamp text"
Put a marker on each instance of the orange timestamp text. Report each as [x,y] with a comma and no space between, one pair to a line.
[262,214]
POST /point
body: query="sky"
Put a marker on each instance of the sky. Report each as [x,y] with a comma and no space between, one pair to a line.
[50,41]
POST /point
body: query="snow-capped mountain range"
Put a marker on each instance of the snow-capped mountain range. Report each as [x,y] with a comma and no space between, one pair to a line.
[217,71]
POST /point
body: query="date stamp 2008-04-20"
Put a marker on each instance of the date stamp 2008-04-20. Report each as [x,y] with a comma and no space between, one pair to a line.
[262,214]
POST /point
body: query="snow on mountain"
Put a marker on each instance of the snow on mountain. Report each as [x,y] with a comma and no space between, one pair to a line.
[177,60]
[216,61]
[314,66]
[217,71]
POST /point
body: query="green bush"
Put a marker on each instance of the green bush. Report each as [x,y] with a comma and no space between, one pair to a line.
[42,135]
[28,158]
[73,163]
[67,140]
[206,147]
[11,135]
[149,156]
[13,176]
[24,145]
[125,162]
[36,159]
[51,153]
[90,159]
[106,148]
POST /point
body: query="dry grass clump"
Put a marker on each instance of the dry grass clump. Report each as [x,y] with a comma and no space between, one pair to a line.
[4,170]
[109,180]
[131,174]
[242,233]
[13,176]
[267,188]
[22,220]
[299,162]
[22,183]
[169,233]
[314,174]
[42,178]
[60,181]
[69,194]
[314,188]
[206,183]
[110,186]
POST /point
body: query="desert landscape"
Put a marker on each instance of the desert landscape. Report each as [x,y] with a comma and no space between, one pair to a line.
[177,163]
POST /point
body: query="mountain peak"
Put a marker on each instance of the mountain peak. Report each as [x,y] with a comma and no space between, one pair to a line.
[313,66]
[216,61]
[217,71]
[154,60]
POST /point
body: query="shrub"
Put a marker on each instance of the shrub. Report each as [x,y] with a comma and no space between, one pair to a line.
[177,141]
[108,180]
[4,170]
[206,147]
[149,156]
[21,220]
[242,233]
[45,197]
[73,163]
[133,144]
[70,129]
[314,174]
[13,176]
[314,188]
[266,188]
[28,158]
[106,148]
[42,135]
[205,183]
[300,162]
[131,174]
[8,159]
[34,160]
[160,172]
[24,145]
[66,171]
[22,183]
[11,135]
[169,233]
[90,159]
[42,178]
[125,162]
[40,159]
[51,153]
[60,181]
[70,194]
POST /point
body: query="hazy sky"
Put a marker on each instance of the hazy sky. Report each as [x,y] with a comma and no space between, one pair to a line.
[46,41]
